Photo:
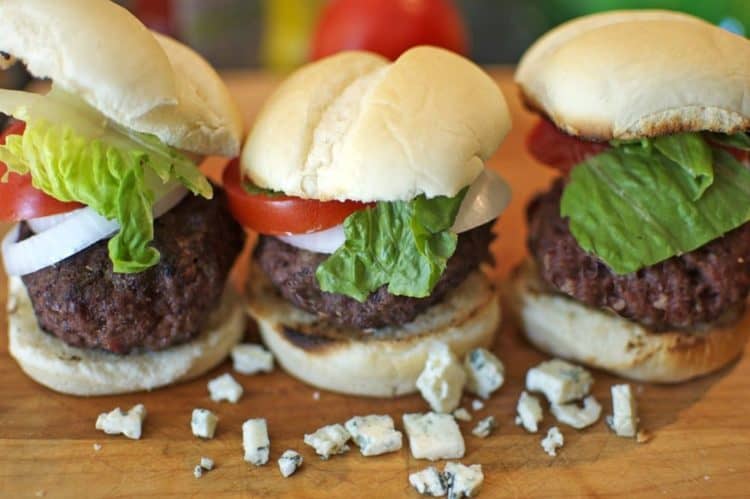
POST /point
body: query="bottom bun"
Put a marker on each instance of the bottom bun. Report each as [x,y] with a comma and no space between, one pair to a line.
[77,371]
[563,327]
[379,363]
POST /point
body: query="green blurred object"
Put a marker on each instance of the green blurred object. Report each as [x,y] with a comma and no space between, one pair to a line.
[713,11]
[287,29]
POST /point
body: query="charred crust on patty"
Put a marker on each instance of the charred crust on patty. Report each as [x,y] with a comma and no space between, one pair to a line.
[292,271]
[706,286]
[84,303]
[320,336]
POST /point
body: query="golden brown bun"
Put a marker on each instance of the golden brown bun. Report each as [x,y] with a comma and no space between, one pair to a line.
[146,82]
[565,328]
[630,74]
[354,126]
[380,363]
[77,371]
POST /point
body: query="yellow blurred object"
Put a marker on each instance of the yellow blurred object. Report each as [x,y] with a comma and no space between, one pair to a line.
[287,28]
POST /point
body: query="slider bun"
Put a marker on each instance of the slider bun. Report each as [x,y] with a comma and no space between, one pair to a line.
[143,81]
[631,74]
[85,372]
[354,126]
[378,363]
[565,328]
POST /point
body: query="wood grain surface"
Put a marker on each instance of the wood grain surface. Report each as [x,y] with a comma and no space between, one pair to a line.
[701,429]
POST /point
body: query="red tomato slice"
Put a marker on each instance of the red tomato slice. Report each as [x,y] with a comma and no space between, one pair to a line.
[388,27]
[282,215]
[742,156]
[19,200]
[555,148]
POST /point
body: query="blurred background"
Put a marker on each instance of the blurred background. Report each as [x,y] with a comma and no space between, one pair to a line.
[279,35]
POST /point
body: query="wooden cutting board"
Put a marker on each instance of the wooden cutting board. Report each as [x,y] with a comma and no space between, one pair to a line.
[701,429]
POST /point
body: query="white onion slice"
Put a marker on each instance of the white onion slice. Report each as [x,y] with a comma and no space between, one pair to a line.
[486,199]
[42,224]
[324,241]
[72,234]
[169,200]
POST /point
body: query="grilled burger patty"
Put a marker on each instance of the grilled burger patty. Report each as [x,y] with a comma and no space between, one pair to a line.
[81,301]
[683,292]
[292,272]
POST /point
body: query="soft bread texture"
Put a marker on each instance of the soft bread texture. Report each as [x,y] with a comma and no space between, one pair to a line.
[76,371]
[354,126]
[379,363]
[565,328]
[143,81]
[631,74]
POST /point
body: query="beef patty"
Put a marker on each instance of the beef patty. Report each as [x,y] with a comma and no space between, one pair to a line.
[696,288]
[84,303]
[292,271]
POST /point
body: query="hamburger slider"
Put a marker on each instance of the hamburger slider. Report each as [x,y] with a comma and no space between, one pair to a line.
[640,253]
[366,181]
[119,259]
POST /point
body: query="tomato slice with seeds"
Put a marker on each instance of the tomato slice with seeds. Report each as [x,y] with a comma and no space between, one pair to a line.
[278,215]
[553,147]
[19,200]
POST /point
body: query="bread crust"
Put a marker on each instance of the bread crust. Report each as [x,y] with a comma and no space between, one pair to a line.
[632,74]
[562,327]
[76,371]
[141,80]
[354,126]
[379,363]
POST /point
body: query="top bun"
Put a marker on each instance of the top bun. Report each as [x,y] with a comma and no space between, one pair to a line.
[354,126]
[632,74]
[146,82]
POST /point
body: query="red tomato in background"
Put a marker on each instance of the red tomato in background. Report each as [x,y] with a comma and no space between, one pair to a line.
[19,200]
[279,215]
[553,147]
[388,27]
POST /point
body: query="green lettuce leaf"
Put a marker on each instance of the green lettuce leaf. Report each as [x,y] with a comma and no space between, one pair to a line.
[693,154]
[634,209]
[403,244]
[73,153]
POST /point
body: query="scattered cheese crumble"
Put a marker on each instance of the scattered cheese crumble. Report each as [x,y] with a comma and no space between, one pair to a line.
[529,412]
[374,435]
[484,371]
[560,381]
[434,436]
[289,462]
[428,482]
[203,423]
[207,463]
[462,414]
[624,418]
[575,416]
[484,427]
[255,441]
[329,440]
[225,387]
[442,381]
[553,441]
[120,422]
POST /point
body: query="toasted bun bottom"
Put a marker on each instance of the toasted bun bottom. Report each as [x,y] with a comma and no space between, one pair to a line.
[563,327]
[77,371]
[380,363]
